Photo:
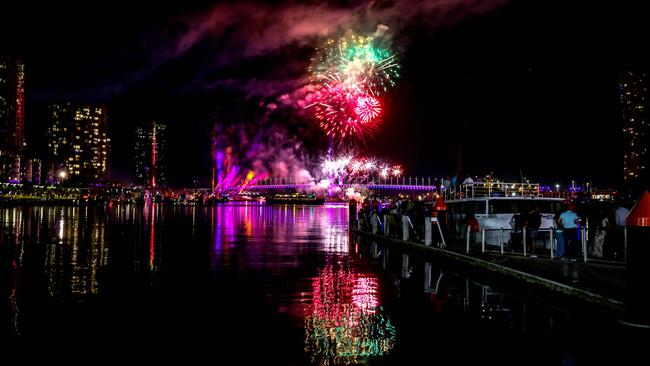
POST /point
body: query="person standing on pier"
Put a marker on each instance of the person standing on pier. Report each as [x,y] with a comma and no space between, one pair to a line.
[532,228]
[570,221]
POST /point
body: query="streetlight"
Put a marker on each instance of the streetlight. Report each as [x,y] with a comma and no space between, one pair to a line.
[62,175]
[557,187]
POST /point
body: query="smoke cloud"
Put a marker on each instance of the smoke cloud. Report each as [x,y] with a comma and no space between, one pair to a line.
[275,33]
[255,29]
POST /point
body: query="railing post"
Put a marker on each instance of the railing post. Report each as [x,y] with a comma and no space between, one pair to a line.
[427,277]
[386,229]
[374,219]
[405,228]
[552,245]
[443,244]
[483,241]
[523,237]
[624,244]
[469,228]
[405,266]
[427,231]
[584,244]
[500,237]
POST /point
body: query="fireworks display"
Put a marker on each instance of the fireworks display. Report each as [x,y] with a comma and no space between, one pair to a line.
[348,76]
[350,167]
[353,72]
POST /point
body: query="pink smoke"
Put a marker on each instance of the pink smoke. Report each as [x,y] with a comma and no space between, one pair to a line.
[255,29]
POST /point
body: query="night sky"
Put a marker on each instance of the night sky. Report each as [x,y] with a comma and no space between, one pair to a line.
[528,85]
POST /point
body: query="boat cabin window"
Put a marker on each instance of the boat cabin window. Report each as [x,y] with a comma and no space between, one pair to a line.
[471,207]
[521,206]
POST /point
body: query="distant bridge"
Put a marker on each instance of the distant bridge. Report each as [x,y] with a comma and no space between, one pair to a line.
[404,184]
[278,184]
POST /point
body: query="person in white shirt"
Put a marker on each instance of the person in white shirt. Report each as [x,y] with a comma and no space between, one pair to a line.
[620,214]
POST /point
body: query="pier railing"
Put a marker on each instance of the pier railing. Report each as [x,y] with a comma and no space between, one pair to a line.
[604,245]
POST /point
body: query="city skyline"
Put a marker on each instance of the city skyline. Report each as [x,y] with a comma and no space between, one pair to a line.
[466,80]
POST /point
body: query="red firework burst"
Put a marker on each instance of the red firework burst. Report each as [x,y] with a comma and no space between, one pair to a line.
[346,112]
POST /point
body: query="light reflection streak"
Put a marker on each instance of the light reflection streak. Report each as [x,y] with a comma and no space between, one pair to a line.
[152,236]
[347,323]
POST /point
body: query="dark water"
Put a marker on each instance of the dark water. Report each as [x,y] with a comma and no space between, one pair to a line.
[269,285]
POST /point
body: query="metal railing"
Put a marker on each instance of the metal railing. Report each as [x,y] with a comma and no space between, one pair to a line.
[492,189]
[582,244]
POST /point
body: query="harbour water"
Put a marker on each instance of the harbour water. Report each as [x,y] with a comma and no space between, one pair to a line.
[278,284]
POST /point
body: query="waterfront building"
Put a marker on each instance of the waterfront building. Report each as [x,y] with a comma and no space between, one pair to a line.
[12,118]
[150,155]
[78,141]
[634,100]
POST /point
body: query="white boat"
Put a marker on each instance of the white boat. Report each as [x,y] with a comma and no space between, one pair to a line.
[494,205]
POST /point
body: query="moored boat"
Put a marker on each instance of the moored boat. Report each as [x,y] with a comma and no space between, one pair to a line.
[295,199]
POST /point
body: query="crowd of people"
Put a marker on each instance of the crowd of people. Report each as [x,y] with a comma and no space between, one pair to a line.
[604,228]
[604,224]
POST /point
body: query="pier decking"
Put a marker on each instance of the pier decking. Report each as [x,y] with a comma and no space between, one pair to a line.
[600,284]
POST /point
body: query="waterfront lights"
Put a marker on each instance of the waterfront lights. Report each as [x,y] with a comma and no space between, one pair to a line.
[557,187]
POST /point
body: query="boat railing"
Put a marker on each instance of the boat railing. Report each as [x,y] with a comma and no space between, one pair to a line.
[492,189]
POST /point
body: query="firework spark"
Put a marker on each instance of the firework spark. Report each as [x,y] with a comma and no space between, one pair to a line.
[368,108]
